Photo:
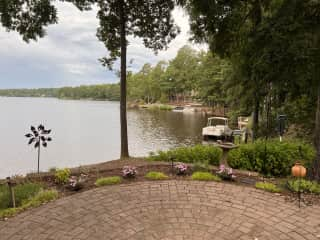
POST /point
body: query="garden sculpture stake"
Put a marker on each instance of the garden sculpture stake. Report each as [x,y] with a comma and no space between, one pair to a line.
[39,137]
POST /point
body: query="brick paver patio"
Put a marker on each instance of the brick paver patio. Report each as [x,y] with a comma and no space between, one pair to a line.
[167,210]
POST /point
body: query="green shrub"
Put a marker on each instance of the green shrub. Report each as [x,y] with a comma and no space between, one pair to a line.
[52,169]
[205,176]
[201,167]
[165,107]
[9,212]
[198,153]
[304,186]
[21,191]
[108,181]
[156,176]
[157,107]
[40,198]
[62,175]
[276,159]
[270,187]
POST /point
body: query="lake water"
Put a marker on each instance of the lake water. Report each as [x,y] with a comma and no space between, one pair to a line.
[86,132]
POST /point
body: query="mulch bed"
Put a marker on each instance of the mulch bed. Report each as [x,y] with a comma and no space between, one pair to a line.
[114,168]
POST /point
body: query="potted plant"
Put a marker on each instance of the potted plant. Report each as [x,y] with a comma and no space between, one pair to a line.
[181,168]
[76,183]
[225,173]
[129,172]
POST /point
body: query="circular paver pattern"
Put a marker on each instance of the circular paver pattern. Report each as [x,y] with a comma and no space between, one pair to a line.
[167,210]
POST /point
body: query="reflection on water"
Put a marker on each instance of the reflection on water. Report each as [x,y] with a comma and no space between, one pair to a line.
[157,130]
[86,132]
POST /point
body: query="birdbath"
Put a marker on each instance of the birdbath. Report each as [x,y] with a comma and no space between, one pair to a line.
[226,147]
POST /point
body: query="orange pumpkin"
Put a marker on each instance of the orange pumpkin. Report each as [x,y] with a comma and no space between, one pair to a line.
[298,170]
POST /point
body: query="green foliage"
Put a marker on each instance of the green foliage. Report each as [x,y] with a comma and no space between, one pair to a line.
[274,50]
[212,72]
[156,176]
[201,167]
[205,176]
[270,187]
[276,159]
[137,20]
[173,81]
[28,18]
[40,198]
[9,212]
[52,169]
[108,181]
[41,92]
[35,201]
[22,193]
[109,92]
[304,186]
[165,107]
[195,154]
[163,82]
[62,175]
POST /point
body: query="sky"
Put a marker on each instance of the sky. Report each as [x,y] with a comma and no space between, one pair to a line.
[68,55]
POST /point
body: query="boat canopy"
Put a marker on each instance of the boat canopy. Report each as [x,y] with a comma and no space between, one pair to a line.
[220,118]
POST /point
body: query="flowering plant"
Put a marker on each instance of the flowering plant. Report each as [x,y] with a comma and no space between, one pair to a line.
[225,172]
[76,183]
[129,171]
[181,168]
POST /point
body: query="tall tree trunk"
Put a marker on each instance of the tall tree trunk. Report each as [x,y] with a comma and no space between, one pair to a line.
[316,164]
[257,17]
[123,85]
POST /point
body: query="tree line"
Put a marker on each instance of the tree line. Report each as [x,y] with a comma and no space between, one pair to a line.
[109,92]
[191,76]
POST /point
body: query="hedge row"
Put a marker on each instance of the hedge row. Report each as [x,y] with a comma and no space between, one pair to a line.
[272,158]
[196,154]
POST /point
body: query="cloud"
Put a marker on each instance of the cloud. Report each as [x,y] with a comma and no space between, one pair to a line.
[68,55]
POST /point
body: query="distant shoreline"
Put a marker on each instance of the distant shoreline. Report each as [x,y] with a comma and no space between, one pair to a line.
[89,99]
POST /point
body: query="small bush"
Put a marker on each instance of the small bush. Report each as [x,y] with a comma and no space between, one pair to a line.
[108,181]
[304,186]
[276,159]
[201,167]
[205,176]
[198,153]
[52,169]
[9,212]
[21,191]
[40,198]
[270,187]
[165,107]
[156,176]
[62,175]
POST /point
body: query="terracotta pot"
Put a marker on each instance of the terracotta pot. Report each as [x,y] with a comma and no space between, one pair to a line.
[298,170]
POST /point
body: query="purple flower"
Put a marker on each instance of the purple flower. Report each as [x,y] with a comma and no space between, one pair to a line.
[181,168]
[75,181]
[129,171]
[225,172]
